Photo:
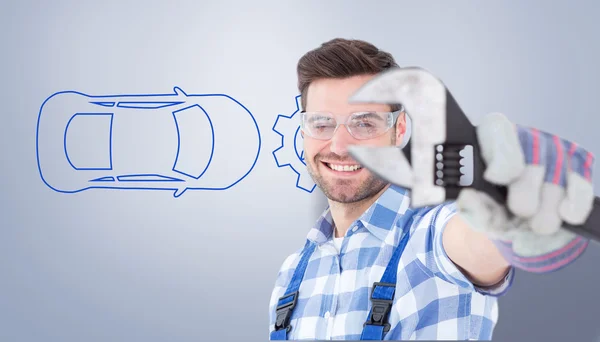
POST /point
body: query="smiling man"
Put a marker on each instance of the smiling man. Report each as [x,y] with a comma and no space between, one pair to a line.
[372,267]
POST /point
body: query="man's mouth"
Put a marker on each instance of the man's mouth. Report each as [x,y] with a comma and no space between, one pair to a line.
[343,168]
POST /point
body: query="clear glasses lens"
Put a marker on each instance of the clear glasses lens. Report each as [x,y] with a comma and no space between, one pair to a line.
[363,125]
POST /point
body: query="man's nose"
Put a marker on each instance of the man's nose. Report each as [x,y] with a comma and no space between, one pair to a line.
[340,141]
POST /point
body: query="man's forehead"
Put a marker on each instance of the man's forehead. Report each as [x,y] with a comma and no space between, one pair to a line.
[332,95]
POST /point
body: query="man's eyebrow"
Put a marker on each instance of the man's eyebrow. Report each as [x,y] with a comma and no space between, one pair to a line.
[361,115]
[318,117]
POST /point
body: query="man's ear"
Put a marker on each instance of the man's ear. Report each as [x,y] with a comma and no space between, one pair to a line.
[400,128]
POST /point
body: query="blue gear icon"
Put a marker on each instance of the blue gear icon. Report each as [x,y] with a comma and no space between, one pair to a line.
[291,153]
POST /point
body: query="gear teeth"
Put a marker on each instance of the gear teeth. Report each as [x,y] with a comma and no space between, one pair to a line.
[285,154]
[278,157]
[305,182]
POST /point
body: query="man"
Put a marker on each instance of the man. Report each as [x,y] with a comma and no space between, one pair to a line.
[441,268]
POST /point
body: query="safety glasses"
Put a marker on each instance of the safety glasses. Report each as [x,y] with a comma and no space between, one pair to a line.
[360,125]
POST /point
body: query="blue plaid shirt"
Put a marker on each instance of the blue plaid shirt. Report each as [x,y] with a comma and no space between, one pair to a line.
[433,299]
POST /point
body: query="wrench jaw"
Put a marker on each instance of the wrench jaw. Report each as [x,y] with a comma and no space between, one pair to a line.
[387,163]
[424,98]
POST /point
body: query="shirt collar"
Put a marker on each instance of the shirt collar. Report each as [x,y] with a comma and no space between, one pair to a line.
[379,219]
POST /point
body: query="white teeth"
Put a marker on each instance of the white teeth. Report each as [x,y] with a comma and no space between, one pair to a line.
[344,167]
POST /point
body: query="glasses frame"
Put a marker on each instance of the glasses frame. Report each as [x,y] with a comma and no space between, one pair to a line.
[393,115]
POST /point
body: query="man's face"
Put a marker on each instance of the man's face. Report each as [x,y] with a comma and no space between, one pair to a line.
[328,161]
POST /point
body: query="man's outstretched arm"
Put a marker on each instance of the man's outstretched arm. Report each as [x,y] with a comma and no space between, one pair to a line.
[474,253]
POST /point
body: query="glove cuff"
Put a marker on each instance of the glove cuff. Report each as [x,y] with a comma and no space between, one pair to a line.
[543,262]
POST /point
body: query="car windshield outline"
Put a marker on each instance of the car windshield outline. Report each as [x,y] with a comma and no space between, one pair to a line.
[187,161]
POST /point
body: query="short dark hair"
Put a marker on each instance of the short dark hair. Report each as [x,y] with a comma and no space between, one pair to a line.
[341,58]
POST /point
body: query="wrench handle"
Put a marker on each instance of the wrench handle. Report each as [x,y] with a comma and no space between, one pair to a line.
[591,227]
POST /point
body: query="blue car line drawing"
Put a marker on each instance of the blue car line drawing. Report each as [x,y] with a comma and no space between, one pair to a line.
[172,142]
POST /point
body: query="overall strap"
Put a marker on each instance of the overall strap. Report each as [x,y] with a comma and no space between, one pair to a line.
[287,302]
[382,297]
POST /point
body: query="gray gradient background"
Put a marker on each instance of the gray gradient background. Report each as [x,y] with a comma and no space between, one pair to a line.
[144,266]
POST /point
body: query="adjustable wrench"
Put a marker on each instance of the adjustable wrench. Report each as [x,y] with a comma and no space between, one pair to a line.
[440,130]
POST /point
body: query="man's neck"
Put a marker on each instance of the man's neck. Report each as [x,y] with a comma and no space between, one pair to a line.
[343,214]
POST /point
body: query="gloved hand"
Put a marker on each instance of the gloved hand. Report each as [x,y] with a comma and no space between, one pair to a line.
[549,182]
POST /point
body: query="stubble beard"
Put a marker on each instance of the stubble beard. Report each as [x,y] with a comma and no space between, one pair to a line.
[344,190]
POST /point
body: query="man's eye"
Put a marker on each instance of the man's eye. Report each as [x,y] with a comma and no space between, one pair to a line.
[364,123]
[320,125]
